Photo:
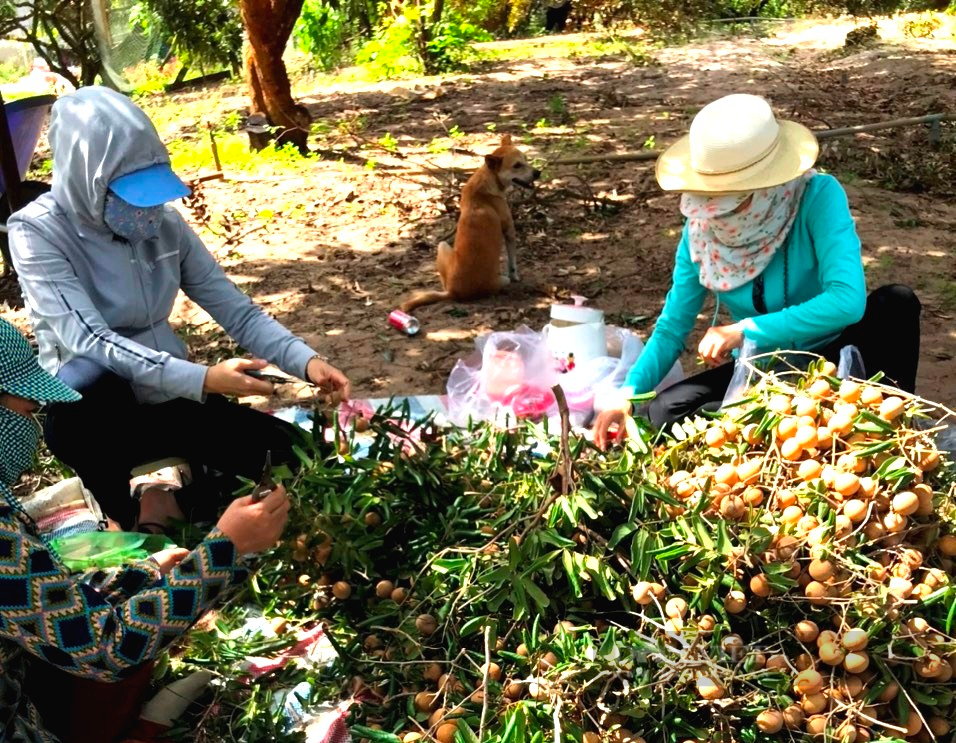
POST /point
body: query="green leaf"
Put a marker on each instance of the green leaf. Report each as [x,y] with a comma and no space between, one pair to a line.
[570,569]
[514,557]
[465,734]
[511,725]
[551,537]
[903,709]
[760,539]
[874,449]
[893,463]
[869,422]
[724,546]
[921,696]
[641,555]
[449,565]
[781,583]
[376,736]
[668,553]
[598,572]
[536,593]
[659,495]
[620,533]
[878,688]
[774,681]
[584,505]
[700,529]
[565,504]
[519,599]
[473,626]
[685,530]
[608,643]
[769,421]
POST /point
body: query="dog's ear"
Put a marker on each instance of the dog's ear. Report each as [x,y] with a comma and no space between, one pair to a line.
[506,139]
[493,162]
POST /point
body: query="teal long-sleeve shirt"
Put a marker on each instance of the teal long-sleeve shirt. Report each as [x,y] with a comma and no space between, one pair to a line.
[826,289]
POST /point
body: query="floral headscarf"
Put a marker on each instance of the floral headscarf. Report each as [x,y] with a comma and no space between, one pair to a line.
[732,245]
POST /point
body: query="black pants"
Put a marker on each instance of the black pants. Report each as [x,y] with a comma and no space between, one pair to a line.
[555,19]
[887,337]
[108,433]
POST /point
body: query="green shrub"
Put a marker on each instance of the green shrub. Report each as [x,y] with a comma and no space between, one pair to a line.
[325,33]
[391,51]
[12,71]
[451,47]
[206,34]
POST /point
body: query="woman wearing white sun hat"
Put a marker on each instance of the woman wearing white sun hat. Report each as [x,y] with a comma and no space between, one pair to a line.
[775,242]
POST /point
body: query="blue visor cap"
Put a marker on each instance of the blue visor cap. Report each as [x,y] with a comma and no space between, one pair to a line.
[150,186]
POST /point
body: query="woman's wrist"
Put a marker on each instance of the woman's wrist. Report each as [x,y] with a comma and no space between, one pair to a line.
[623,402]
[308,364]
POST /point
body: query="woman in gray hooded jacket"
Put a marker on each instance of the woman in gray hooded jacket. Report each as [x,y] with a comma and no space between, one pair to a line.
[101,259]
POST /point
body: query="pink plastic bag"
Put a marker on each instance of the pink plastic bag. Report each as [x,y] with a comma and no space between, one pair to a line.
[511,374]
[509,377]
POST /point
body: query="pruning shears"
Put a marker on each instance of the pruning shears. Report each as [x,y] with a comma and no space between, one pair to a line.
[271,378]
[266,484]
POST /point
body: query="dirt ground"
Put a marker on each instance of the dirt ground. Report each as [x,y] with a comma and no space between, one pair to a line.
[330,250]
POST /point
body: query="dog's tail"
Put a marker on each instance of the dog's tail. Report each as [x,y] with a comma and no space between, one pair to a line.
[420,299]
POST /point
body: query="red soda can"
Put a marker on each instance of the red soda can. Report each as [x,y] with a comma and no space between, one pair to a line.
[404,322]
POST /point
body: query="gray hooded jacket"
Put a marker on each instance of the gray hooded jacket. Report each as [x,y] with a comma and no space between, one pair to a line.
[93,295]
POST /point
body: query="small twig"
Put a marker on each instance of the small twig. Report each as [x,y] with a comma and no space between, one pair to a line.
[557,720]
[217,176]
[484,684]
[236,239]
[565,464]
[565,450]
[215,148]
[378,145]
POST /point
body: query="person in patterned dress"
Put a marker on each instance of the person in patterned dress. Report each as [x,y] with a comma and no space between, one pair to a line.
[101,624]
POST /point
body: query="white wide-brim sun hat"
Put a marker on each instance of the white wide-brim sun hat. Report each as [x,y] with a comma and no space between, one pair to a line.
[736,145]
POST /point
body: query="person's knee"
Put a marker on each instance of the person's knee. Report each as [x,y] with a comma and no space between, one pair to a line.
[82,373]
[897,298]
[69,426]
[664,409]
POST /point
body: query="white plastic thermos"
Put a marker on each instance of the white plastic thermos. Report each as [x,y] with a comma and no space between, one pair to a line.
[576,334]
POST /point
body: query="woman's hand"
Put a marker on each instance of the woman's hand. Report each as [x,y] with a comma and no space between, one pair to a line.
[229,378]
[169,558]
[609,426]
[718,342]
[254,526]
[327,377]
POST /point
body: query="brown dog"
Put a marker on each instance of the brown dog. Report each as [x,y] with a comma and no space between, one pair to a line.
[470,270]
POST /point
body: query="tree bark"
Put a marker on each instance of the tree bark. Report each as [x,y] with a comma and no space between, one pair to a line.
[269,25]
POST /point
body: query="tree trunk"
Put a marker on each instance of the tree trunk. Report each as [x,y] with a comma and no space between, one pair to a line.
[426,27]
[269,25]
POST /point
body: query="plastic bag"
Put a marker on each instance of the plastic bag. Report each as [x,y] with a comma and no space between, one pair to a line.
[945,439]
[626,348]
[107,549]
[851,363]
[63,509]
[511,374]
[743,370]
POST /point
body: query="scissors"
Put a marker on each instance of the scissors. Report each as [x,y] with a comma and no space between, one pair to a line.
[272,378]
[266,484]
